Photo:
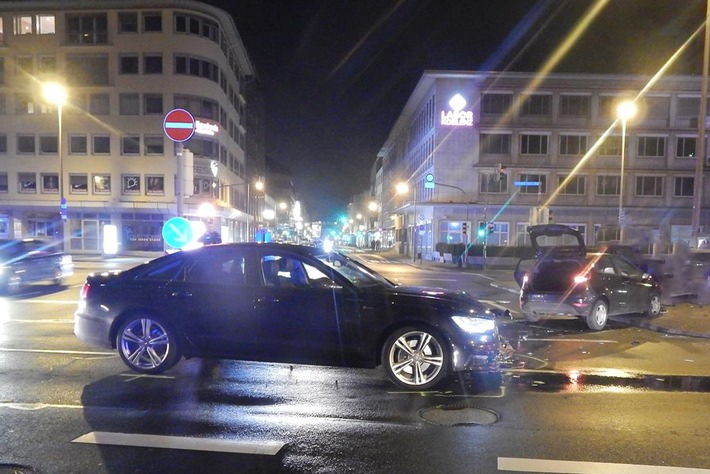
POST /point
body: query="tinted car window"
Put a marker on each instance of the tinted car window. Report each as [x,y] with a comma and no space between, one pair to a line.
[169,271]
[283,271]
[219,268]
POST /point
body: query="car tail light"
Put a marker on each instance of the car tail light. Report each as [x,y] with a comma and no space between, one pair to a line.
[84,292]
[581,279]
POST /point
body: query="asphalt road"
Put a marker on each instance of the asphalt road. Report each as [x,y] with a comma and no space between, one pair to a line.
[622,400]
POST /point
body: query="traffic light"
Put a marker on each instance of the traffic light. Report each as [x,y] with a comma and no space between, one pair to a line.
[464,228]
[481,229]
[491,228]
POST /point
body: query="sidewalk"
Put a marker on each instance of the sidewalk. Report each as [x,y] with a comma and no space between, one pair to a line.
[684,317]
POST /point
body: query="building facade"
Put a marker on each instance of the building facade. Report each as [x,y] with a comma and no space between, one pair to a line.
[499,151]
[124,65]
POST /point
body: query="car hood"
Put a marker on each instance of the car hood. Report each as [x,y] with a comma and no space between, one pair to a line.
[455,299]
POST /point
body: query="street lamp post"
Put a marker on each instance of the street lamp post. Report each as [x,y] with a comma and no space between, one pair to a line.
[56,94]
[625,111]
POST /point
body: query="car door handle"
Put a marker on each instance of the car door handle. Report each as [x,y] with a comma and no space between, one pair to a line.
[181,294]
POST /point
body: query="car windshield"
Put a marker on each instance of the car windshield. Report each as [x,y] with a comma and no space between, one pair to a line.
[355,272]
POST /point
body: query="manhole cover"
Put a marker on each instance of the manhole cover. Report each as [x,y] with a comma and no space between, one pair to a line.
[458,415]
[15,469]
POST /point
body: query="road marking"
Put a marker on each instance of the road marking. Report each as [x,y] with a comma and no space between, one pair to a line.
[75,303]
[35,406]
[51,351]
[580,467]
[600,341]
[40,321]
[268,448]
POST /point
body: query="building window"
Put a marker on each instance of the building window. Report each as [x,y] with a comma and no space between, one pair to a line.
[657,107]
[533,144]
[573,145]
[88,70]
[685,147]
[152,64]
[128,22]
[495,143]
[198,106]
[47,64]
[131,184]
[653,147]
[48,144]
[3,143]
[575,105]
[101,144]
[649,186]
[197,26]
[45,25]
[493,183]
[50,183]
[3,183]
[2,70]
[537,105]
[688,107]
[611,146]
[27,183]
[451,232]
[77,145]
[78,184]
[23,65]
[152,22]
[196,67]
[102,183]
[128,64]
[131,145]
[87,29]
[607,106]
[496,104]
[26,144]
[533,183]
[155,185]
[153,104]
[153,144]
[99,104]
[575,185]
[683,186]
[23,25]
[128,104]
[608,185]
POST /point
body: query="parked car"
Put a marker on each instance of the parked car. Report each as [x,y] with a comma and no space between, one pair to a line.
[563,279]
[284,303]
[26,261]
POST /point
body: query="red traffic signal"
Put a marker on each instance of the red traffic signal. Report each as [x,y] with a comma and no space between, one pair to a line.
[491,228]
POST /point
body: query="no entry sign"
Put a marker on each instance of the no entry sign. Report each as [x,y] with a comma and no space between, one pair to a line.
[179,125]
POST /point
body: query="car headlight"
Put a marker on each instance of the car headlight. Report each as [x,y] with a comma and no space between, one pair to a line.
[474,325]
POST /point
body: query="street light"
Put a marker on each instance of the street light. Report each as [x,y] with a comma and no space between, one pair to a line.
[625,110]
[56,94]
[403,188]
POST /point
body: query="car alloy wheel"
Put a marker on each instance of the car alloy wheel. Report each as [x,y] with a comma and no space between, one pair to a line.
[597,317]
[654,306]
[415,358]
[147,345]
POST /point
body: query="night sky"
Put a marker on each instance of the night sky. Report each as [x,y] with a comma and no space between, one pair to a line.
[336,73]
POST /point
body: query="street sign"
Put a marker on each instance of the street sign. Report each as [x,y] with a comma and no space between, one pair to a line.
[429,181]
[179,125]
[63,208]
[177,232]
[527,183]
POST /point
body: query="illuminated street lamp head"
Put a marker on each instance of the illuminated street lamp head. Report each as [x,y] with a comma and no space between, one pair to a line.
[54,93]
[402,188]
[283,206]
[626,110]
[372,206]
[259,185]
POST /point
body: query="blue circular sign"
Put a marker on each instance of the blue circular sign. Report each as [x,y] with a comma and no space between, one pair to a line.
[177,232]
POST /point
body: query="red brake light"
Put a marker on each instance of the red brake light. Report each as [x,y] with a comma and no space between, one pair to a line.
[84,292]
[580,279]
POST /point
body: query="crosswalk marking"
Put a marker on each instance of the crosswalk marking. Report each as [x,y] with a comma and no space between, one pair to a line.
[580,467]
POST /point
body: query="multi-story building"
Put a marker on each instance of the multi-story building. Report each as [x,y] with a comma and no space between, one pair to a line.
[498,151]
[124,64]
